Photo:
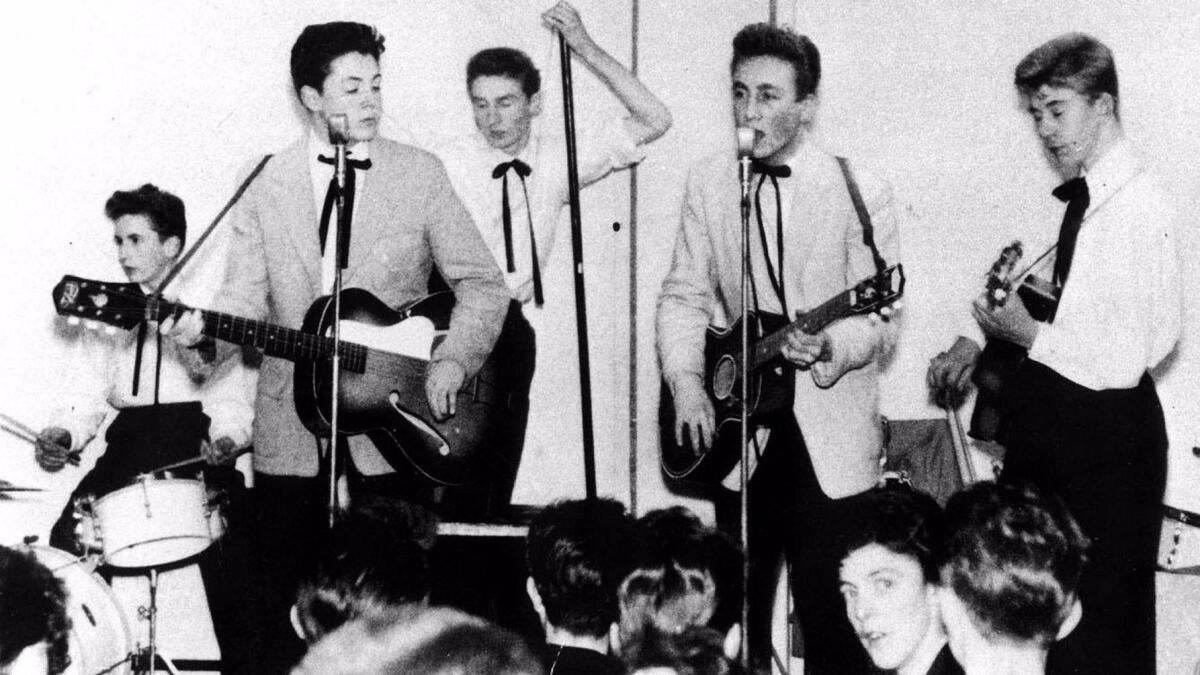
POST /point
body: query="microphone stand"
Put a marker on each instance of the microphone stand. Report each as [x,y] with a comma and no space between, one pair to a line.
[338,132]
[744,478]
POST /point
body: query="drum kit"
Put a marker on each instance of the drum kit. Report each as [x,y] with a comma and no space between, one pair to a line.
[149,524]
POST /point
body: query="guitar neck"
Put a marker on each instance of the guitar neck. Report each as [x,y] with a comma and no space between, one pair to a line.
[284,343]
[769,346]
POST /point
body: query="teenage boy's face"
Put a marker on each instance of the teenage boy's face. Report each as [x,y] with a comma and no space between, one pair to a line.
[142,254]
[764,99]
[888,602]
[503,113]
[1069,124]
[352,88]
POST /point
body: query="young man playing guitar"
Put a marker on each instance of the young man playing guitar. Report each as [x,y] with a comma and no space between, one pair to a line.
[406,221]
[807,245]
[1082,417]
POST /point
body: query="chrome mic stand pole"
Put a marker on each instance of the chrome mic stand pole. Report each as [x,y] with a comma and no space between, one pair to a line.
[745,139]
[339,132]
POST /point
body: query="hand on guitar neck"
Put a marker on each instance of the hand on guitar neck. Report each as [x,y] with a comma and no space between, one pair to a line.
[1010,321]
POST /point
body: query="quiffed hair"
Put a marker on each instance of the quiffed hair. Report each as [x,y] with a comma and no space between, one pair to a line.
[505,62]
[1013,555]
[320,44]
[33,609]
[578,553]
[165,210]
[1077,61]
[763,39]
[902,520]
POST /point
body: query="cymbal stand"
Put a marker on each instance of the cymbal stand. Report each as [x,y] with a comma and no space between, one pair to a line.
[145,659]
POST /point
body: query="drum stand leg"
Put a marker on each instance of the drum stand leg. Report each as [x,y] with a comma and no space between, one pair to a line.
[146,658]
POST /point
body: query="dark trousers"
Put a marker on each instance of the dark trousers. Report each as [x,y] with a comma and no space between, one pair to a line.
[144,438]
[1104,454]
[789,514]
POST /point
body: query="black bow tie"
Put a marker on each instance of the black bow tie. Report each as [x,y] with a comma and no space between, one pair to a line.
[1072,190]
[517,165]
[353,163]
[772,170]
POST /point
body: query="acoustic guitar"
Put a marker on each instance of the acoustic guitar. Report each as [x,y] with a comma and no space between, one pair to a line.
[771,385]
[384,355]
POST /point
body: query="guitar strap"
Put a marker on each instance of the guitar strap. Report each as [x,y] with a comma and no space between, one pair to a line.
[868,230]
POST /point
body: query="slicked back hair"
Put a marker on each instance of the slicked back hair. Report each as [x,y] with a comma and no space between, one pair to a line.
[763,39]
[320,44]
[505,62]
[1075,61]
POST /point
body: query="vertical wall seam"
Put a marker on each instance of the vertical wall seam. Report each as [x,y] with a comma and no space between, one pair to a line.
[633,293]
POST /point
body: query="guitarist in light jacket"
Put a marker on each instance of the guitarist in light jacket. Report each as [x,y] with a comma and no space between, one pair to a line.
[829,446]
[406,220]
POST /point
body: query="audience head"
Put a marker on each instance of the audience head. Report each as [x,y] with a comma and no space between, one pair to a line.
[335,71]
[505,91]
[372,564]
[775,74]
[697,650]
[33,616]
[419,641]
[1069,86]
[888,576]
[578,553]
[1009,567]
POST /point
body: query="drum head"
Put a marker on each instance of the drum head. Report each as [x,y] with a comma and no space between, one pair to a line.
[100,641]
[153,522]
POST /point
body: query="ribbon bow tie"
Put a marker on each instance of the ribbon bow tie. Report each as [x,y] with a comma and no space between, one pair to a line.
[517,165]
[772,170]
[352,163]
[1072,190]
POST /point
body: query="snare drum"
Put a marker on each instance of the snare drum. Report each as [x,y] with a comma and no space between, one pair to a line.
[152,522]
[1179,543]
[100,641]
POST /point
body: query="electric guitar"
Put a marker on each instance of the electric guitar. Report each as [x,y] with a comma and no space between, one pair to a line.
[997,364]
[771,385]
[384,355]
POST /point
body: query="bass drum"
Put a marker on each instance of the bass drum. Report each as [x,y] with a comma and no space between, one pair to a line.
[100,638]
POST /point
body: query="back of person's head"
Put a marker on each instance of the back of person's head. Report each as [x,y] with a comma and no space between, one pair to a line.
[669,599]
[320,45]
[33,612]
[420,641]
[578,553]
[695,651]
[165,210]
[368,568]
[1012,557]
[763,39]
[677,536]
[903,520]
[1074,61]
[505,62]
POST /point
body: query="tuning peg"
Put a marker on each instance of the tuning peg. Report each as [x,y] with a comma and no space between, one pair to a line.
[90,325]
[110,330]
[73,321]
[897,306]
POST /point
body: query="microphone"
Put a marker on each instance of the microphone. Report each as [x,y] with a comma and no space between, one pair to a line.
[745,146]
[339,137]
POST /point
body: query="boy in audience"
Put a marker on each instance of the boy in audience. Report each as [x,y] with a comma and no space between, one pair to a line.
[579,551]
[889,579]
[33,617]
[1010,568]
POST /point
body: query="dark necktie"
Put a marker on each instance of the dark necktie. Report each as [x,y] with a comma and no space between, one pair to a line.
[774,271]
[1075,193]
[347,205]
[522,169]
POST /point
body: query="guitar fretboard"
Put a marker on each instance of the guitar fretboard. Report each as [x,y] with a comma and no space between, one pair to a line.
[273,340]
[769,346]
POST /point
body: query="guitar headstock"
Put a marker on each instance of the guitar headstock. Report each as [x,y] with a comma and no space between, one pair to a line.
[117,304]
[999,281]
[879,292]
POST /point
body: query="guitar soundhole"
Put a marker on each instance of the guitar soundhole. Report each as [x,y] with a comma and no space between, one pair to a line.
[724,378]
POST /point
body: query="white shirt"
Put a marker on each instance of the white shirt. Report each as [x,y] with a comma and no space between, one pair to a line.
[99,380]
[470,161]
[321,173]
[1121,310]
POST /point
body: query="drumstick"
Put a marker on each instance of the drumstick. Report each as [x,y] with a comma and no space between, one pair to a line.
[23,432]
[178,465]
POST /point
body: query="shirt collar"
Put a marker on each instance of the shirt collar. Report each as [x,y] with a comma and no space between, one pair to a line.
[322,146]
[496,156]
[1116,167]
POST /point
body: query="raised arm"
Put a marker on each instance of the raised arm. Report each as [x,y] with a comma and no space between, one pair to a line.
[649,118]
